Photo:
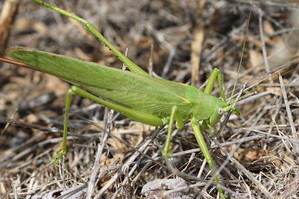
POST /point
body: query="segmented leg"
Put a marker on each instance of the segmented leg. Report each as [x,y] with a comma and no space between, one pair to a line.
[211,81]
[65,126]
[169,133]
[205,151]
[133,114]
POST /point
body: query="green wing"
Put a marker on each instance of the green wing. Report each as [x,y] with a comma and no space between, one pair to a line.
[138,92]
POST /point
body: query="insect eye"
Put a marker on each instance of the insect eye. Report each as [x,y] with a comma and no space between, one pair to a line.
[220,111]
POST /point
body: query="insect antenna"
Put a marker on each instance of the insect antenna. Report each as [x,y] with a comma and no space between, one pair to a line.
[256,83]
[241,60]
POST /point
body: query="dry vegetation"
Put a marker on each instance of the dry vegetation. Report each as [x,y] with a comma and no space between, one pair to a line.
[256,151]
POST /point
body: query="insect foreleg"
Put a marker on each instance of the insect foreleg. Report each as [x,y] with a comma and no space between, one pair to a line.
[205,151]
[211,81]
[205,126]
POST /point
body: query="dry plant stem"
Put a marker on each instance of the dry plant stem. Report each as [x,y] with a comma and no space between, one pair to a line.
[262,36]
[62,171]
[29,125]
[96,167]
[169,61]
[150,62]
[126,165]
[283,69]
[290,117]
[7,16]
[8,124]
[29,150]
[241,140]
[146,166]
[288,193]
[196,45]
[201,168]
[128,175]
[126,181]
[254,97]
[242,168]
[252,178]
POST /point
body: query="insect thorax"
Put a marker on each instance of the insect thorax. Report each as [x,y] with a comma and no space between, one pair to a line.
[207,106]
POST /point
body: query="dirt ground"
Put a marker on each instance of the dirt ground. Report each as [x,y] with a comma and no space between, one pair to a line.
[256,153]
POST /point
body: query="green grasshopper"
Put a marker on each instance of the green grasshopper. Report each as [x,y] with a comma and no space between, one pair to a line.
[133,93]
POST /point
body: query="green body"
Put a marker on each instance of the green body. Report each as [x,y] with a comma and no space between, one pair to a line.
[138,92]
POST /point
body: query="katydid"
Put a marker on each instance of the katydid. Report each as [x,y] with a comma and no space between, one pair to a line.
[133,93]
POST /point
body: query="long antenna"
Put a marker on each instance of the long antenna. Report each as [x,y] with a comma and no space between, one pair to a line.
[242,54]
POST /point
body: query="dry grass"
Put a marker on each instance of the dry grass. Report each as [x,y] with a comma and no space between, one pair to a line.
[256,152]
